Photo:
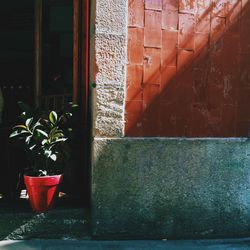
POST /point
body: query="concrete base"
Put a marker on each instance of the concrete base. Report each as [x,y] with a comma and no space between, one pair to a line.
[170,188]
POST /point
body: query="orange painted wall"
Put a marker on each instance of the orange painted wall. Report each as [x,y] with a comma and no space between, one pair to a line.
[188,68]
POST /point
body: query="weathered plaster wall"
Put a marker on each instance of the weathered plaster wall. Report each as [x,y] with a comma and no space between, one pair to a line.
[171,188]
[188,68]
[110,66]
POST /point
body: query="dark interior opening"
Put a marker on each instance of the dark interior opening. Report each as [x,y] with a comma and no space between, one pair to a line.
[17,74]
[16,55]
[57,52]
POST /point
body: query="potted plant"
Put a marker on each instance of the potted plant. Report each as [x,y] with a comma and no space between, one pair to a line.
[44,136]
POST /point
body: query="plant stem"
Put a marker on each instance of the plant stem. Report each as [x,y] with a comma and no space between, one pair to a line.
[47,164]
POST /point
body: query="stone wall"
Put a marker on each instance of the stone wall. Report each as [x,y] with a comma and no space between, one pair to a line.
[110,66]
[170,188]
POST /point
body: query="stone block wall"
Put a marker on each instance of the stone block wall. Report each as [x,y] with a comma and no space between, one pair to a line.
[108,59]
[171,188]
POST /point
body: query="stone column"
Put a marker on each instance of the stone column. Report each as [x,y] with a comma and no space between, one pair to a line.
[110,75]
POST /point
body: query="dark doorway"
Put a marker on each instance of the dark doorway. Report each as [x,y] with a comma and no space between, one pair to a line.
[42,62]
[16,83]
[16,55]
[57,53]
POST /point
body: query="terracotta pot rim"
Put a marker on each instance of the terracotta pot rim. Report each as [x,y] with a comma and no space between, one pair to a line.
[49,180]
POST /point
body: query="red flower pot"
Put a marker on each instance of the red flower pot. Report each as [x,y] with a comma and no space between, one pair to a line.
[43,191]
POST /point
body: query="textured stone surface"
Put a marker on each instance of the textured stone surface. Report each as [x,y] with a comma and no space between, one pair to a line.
[110,58]
[111,16]
[109,120]
[170,188]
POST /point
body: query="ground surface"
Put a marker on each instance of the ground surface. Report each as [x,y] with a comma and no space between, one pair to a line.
[69,220]
[67,227]
[225,244]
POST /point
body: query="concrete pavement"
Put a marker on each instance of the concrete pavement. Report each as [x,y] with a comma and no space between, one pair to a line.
[34,244]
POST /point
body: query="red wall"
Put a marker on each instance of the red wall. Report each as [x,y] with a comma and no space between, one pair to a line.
[188,71]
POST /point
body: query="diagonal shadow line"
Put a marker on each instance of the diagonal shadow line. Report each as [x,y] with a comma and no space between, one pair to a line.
[33,222]
[170,60]
[199,54]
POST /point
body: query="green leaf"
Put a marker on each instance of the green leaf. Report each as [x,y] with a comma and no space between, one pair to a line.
[13,134]
[28,138]
[28,122]
[32,147]
[57,141]
[53,157]
[58,135]
[47,153]
[20,126]
[53,117]
[45,141]
[53,131]
[72,105]
[60,139]
[68,114]
[42,132]
[42,172]
[37,124]
[17,133]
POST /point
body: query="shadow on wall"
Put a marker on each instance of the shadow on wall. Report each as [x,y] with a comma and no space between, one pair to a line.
[188,69]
